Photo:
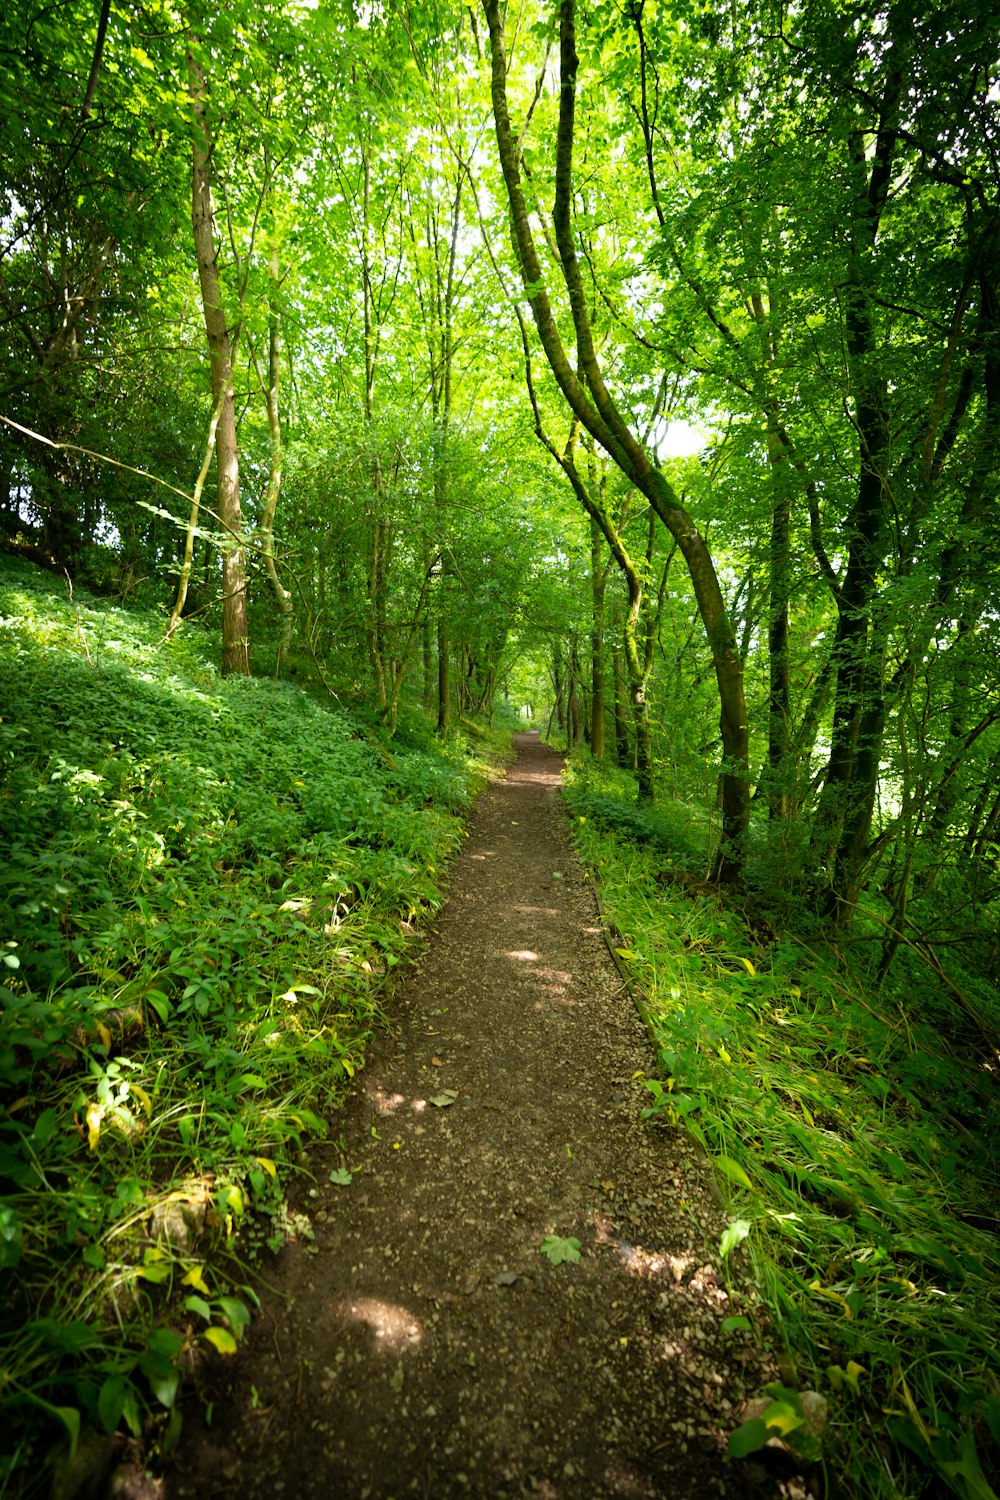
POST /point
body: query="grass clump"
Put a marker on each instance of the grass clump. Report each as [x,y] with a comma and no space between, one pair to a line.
[203,883]
[857,1141]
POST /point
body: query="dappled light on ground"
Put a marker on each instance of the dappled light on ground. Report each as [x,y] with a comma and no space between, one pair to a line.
[386,1103]
[393,1326]
[643,1262]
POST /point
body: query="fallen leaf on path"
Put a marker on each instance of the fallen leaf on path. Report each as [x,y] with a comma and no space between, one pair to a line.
[559,1250]
[436,1062]
[443,1100]
[506,1278]
[341,1176]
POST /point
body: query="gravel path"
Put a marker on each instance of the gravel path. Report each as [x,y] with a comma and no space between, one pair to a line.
[424,1345]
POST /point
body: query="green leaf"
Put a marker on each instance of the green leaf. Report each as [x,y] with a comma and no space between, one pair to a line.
[221,1339]
[111,1402]
[750,1437]
[163,1378]
[200,1306]
[732,1236]
[967,1467]
[131,1412]
[45,1127]
[559,1250]
[159,1002]
[931,1250]
[441,1101]
[154,1268]
[732,1170]
[70,1418]
[236,1311]
[782,1417]
[341,1176]
[11,1238]
[736,1325]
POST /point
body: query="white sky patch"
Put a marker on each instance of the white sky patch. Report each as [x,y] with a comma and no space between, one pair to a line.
[681,440]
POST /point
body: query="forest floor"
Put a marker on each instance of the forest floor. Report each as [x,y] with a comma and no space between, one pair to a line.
[422,1344]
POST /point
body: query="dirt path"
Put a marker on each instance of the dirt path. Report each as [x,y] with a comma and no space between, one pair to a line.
[424,1345]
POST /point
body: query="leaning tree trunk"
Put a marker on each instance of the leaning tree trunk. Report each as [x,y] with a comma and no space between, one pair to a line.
[594,407]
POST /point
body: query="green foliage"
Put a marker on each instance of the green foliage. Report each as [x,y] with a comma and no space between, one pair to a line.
[561,1250]
[675,830]
[859,1145]
[203,884]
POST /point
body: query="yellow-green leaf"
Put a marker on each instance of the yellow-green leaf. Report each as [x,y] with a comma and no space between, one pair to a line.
[267,1164]
[196,1279]
[222,1340]
[782,1417]
[831,1296]
[142,1096]
[95,1115]
[732,1170]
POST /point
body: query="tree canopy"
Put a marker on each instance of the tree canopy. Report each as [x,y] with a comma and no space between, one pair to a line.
[368,327]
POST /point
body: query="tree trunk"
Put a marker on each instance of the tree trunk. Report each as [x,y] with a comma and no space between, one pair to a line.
[597,584]
[444,675]
[594,407]
[282,597]
[622,748]
[235,642]
[187,559]
[575,734]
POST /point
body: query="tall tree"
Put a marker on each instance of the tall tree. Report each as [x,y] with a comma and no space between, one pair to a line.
[593,405]
[235,637]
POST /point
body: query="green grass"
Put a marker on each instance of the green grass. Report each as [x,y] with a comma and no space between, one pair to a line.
[857,1142]
[203,886]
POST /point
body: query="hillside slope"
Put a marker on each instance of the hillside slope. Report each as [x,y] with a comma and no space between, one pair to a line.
[203,884]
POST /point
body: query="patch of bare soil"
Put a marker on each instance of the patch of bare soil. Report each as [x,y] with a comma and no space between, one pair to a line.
[424,1345]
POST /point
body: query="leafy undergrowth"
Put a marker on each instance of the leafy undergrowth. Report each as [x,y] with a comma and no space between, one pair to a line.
[203,884]
[858,1144]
